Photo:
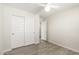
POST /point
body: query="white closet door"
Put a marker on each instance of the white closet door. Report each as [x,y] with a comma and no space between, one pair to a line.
[17,31]
[29,30]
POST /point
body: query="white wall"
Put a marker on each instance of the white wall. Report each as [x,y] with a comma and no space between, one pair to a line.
[63,28]
[1,42]
[8,11]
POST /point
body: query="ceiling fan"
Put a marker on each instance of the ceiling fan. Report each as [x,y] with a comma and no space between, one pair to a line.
[48,6]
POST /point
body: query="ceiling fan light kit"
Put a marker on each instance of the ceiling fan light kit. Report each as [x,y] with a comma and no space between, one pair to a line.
[47,8]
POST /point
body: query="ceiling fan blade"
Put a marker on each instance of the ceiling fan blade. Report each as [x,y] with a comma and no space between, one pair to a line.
[49,4]
[43,5]
[54,6]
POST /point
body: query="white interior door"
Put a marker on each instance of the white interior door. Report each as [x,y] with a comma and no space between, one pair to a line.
[44,30]
[17,31]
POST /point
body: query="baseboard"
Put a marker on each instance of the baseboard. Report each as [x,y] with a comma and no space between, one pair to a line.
[2,53]
[65,46]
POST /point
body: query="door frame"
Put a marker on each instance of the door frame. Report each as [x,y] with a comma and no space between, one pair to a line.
[46,30]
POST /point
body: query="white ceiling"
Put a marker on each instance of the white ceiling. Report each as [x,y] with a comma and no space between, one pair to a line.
[37,9]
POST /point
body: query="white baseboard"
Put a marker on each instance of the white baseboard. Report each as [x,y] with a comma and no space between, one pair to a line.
[2,53]
[65,46]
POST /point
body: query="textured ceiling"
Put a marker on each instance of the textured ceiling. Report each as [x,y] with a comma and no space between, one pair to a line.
[31,7]
[37,9]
